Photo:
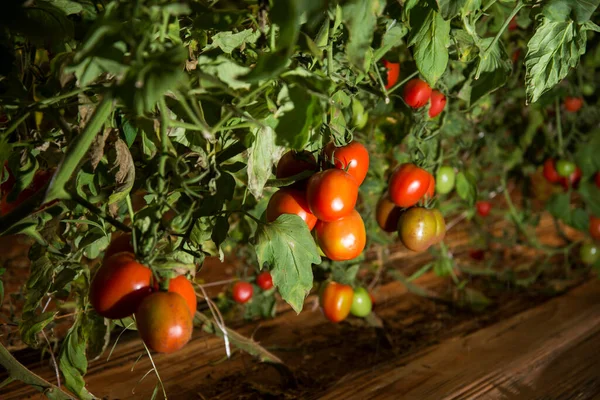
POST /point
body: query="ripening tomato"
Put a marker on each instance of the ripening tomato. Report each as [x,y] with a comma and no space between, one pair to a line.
[361,303]
[417,228]
[290,201]
[331,194]
[387,214]
[352,158]
[483,208]
[360,117]
[573,104]
[119,286]
[445,179]
[393,72]
[264,280]
[343,239]
[440,225]
[565,168]
[595,227]
[292,163]
[431,188]
[119,243]
[242,292]
[437,103]
[589,253]
[182,286]
[336,301]
[550,172]
[597,179]
[572,180]
[164,322]
[408,184]
[416,93]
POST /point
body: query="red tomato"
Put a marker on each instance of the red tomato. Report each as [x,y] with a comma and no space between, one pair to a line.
[242,292]
[416,93]
[343,239]
[40,179]
[264,280]
[408,184]
[515,55]
[573,104]
[290,201]
[437,103]
[477,255]
[431,187]
[597,179]
[512,25]
[393,72]
[120,242]
[332,194]
[387,214]
[573,180]
[483,208]
[119,286]
[595,227]
[164,322]
[352,158]
[550,172]
[336,301]
[292,163]
[182,286]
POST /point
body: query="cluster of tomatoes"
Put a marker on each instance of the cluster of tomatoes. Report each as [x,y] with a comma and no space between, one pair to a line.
[564,172]
[242,291]
[397,210]
[338,300]
[326,200]
[122,286]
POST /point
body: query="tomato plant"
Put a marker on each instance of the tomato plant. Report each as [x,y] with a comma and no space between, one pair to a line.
[361,303]
[290,201]
[408,184]
[417,93]
[242,292]
[342,239]
[352,158]
[336,301]
[331,194]
[264,280]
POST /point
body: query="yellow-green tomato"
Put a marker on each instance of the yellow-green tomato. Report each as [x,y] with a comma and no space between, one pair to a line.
[589,253]
[361,303]
[444,180]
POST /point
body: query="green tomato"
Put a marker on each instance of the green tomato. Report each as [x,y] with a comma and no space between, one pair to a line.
[565,168]
[359,116]
[444,180]
[588,89]
[361,303]
[589,253]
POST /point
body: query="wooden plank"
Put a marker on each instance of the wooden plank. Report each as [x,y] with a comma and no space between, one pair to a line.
[548,352]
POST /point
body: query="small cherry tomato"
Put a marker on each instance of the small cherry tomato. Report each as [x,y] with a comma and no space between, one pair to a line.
[360,117]
[119,286]
[290,201]
[565,168]
[483,208]
[573,104]
[387,214]
[331,194]
[572,180]
[437,103]
[352,158]
[597,179]
[550,172]
[445,179]
[417,229]
[242,292]
[589,253]
[393,72]
[595,227]
[512,25]
[361,303]
[408,184]
[164,322]
[292,163]
[264,280]
[343,239]
[182,286]
[588,89]
[416,93]
[120,242]
[336,301]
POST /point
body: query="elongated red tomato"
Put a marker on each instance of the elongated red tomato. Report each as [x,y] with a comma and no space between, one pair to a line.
[437,103]
[290,201]
[119,286]
[550,172]
[387,214]
[416,93]
[393,72]
[336,301]
[408,184]
[343,239]
[353,158]
[164,322]
[332,194]
[182,286]
[264,280]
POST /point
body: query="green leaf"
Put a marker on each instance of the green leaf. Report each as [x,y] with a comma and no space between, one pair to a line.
[287,246]
[493,69]
[31,325]
[466,187]
[341,273]
[562,10]
[360,18]
[450,8]
[263,304]
[262,155]
[229,41]
[590,194]
[226,70]
[430,35]
[391,38]
[559,206]
[72,359]
[586,156]
[67,6]
[552,51]
[299,114]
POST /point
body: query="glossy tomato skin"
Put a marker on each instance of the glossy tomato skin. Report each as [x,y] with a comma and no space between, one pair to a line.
[331,194]
[565,168]
[353,158]
[417,229]
[416,93]
[437,103]
[445,180]
[589,253]
[550,172]
[408,184]
[393,72]
[242,292]
[431,188]
[387,214]
[182,286]
[119,286]
[440,226]
[597,179]
[361,303]
[343,239]
[595,227]
[572,180]
[290,201]
[483,208]
[573,104]
[164,322]
[336,301]
[264,280]
[119,243]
